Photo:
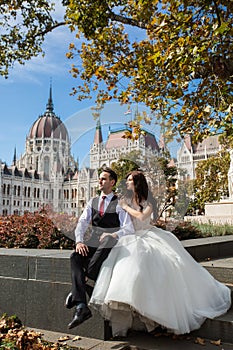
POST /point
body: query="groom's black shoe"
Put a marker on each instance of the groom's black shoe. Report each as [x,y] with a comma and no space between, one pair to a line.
[80,315]
[69,303]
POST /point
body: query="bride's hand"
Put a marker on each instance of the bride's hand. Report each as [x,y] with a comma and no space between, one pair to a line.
[122,203]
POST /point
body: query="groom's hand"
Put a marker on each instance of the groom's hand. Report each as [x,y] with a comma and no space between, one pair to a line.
[82,249]
[107,234]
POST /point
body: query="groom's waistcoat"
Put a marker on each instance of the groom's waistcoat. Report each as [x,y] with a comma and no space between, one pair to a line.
[109,222]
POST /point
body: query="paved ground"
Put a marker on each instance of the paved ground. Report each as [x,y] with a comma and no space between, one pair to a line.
[138,341]
[223,262]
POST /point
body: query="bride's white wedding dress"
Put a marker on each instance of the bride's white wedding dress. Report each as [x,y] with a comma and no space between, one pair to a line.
[150,279]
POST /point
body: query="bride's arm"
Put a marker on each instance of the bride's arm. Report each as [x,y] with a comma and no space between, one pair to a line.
[137,214]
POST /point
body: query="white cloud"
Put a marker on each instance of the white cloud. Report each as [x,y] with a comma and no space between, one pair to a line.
[54,62]
[59,11]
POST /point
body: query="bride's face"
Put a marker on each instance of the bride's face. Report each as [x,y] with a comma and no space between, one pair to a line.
[130,183]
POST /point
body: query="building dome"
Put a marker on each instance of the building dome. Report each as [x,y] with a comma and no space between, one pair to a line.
[48,125]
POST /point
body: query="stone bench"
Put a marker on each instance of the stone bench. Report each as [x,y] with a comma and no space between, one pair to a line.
[34,284]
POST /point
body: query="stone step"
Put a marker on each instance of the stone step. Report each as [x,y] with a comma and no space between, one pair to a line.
[210,247]
[219,328]
[135,341]
[221,269]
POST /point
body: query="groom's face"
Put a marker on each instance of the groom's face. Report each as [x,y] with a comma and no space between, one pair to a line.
[105,183]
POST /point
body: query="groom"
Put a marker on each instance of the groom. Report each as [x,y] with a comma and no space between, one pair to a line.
[109,222]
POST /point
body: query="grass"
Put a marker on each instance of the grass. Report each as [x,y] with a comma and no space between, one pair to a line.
[212,230]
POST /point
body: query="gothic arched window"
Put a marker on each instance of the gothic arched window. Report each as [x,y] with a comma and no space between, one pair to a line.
[46,165]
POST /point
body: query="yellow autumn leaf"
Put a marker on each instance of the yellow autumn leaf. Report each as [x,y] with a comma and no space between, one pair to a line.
[190,113]
[181,41]
[216,342]
[69,55]
[154,21]
[66,337]
[77,337]
[200,341]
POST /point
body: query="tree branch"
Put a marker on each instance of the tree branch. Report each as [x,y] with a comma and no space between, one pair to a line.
[217,13]
[51,28]
[126,20]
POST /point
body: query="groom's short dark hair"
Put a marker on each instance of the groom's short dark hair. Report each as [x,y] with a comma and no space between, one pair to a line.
[112,174]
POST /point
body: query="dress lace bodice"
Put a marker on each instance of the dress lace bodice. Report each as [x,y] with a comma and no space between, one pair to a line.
[138,224]
[141,225]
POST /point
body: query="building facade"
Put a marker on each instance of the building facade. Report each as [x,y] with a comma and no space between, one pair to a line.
[47,175]
[190,154]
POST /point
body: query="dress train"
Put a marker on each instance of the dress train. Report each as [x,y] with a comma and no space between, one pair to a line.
[149,279]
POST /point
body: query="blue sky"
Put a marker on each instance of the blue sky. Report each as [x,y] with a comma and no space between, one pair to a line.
[24,95]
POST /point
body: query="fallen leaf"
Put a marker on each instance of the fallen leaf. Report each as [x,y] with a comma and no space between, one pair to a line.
[200,341]
[216,342]
[76,338]
[64,338]
[157,335]
[177,336]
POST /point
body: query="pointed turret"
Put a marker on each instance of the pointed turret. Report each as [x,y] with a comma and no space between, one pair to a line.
[188,142]
[14,157]
[162,144]
[98,133]
[49,106]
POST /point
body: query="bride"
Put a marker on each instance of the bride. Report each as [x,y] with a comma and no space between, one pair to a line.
[149,279]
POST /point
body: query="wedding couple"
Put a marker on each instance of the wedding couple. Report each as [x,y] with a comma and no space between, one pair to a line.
[144,277]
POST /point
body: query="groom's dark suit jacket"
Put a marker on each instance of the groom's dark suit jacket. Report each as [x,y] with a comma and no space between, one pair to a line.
[109,222]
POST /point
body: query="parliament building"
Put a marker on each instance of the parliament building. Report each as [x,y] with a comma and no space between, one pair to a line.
[47,175]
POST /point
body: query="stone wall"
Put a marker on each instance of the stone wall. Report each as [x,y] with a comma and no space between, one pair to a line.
[219,213]
[34,284]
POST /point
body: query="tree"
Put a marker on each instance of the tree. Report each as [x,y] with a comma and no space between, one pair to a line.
[23,28]
[180,63]
[160,174]
[211,183]
[181,67]
[123,166]
[162,177]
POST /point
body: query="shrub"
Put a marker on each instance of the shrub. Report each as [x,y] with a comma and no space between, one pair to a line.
[191,230]
[210,229]
[32,230]
[185,230]
[182,230]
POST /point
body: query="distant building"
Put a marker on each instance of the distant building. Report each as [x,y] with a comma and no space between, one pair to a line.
[46,174]
[189,155]
[104,154]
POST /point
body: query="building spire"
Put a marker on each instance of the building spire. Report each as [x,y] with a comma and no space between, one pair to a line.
[98,133]
[14,157]
[49,106]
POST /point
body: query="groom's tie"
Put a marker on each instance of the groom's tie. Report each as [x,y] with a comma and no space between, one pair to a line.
[102,206]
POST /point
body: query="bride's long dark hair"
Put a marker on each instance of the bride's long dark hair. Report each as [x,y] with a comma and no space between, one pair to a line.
[141,191]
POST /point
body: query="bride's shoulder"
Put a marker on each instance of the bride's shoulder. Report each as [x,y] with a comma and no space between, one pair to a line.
[145,203]
[127,200]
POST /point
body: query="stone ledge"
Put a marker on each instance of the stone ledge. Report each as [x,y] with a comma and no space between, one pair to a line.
[209,247]
[34,284]
[83,343]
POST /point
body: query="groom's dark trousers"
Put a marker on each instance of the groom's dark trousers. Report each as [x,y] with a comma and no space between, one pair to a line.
[89,266]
